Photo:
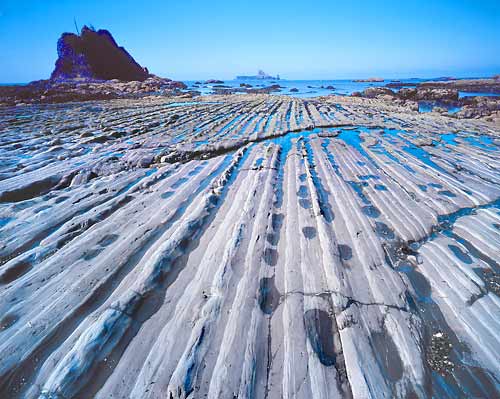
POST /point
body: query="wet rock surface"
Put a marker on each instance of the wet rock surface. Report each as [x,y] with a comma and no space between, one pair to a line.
[443,96]
[468,85]
[439,354]
[256,246]
[50,92]
[489,85]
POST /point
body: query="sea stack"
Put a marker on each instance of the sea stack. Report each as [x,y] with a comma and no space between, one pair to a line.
[95,55]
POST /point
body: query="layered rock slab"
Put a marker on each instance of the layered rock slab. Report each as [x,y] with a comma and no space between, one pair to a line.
[256,247]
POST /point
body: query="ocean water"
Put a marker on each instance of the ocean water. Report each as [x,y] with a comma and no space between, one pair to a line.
[306,88]
[462,94]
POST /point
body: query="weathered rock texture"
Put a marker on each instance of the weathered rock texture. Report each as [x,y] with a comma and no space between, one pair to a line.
[51,91]
[471,107]
[95,55]
[248,247]
[491,85]
[91,66]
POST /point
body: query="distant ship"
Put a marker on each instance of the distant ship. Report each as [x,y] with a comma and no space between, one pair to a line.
[260,75]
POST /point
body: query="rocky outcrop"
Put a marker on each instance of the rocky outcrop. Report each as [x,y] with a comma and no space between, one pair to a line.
[369,80]
[91,66]
[372,92]
[440,101]
[164,249]
[466,85]
[261,75]
[437,94]
[399,84]
[95,55]
[248,89]
[417,94]
[428,94]
[477,107]
[49,91]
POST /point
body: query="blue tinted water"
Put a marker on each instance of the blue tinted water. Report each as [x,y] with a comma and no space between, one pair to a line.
[483,142]
[352,138]
[313,88]
[307,88]
[423,156]
[462,94]
[449,138]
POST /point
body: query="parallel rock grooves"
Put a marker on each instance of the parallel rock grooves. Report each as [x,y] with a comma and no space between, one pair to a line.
[247,246]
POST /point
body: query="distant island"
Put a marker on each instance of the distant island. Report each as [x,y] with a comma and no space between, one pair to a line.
[260,75]
[368,80]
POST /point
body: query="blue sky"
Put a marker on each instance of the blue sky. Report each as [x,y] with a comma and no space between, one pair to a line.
[298,39]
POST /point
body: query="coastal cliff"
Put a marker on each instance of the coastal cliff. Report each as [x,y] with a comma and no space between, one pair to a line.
[91,66]
[95,55]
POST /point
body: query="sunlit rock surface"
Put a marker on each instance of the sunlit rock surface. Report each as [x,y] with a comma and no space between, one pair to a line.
[248,247]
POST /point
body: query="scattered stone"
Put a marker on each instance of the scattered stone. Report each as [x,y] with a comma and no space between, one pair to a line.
[438,354]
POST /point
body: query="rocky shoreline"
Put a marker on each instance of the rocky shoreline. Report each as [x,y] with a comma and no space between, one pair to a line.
[442,96]
[91,66]
[47,91]
[491,85]
[259,246]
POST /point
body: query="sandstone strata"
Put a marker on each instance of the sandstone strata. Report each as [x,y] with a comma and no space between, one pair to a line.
[248,246]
